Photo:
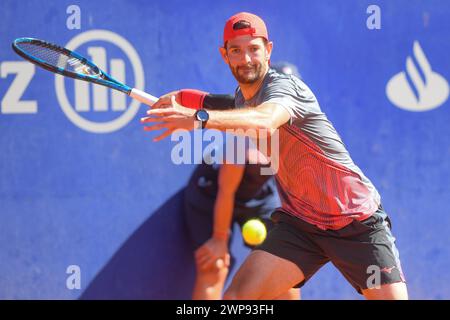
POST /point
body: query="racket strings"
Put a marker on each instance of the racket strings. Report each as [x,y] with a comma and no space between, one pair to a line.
[56,57]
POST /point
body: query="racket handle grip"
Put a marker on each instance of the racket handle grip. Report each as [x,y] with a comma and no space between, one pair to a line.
[143,97]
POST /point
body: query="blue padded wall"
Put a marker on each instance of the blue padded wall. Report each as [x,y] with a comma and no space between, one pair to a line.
[82,184]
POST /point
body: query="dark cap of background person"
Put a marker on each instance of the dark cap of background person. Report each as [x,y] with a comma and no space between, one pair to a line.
[286,68]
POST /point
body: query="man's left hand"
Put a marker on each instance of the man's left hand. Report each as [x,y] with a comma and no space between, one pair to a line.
[170,118]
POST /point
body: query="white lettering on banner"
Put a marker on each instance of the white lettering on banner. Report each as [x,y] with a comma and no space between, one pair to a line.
[100,94]
[11,102]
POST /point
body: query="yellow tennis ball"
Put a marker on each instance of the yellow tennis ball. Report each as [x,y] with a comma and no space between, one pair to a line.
[254,232]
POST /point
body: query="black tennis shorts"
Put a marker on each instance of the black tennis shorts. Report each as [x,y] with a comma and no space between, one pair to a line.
[363,251]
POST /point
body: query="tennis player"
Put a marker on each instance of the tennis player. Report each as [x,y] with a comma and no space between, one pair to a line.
[330,210]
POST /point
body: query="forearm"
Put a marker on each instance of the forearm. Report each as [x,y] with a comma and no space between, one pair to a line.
[196,99]
[223,213]
[168,114]
[261,117]
[218,102]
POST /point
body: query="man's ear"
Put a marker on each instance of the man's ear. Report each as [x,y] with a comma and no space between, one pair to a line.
[269,47]
[223,53]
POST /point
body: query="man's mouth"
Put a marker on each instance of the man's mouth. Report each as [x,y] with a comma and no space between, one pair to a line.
[246,69]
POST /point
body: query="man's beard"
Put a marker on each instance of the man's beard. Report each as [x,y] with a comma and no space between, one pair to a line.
[248,74]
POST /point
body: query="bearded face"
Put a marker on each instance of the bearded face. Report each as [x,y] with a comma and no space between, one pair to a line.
[247,58]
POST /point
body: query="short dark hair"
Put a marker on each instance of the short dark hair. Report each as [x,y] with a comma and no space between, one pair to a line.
[264,40]
[241,24]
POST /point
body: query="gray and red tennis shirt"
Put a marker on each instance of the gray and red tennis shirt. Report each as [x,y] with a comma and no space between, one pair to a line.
[318,181]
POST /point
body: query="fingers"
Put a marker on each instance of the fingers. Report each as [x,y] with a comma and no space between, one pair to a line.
[150,119]
[201,252]
[163,135]
[175,104]
[159,104]
[170,118]
[227,260]
[203,258]
[164,101]
[209,264]
[169,106]
[156,127]
[161,112]
[212,263]
[206,259]
[159,126]
[169,130]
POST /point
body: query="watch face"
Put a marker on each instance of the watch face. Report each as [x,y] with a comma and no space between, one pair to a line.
[202,115]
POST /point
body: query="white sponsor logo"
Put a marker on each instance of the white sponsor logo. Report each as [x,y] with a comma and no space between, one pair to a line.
[101,95]
[419,88]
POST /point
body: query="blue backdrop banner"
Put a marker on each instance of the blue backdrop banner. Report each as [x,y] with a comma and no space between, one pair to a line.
[91,208]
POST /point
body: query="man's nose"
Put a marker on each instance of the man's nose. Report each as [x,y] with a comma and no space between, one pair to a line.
[246,56]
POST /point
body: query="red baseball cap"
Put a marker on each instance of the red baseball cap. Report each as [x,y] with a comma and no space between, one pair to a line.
[244,23]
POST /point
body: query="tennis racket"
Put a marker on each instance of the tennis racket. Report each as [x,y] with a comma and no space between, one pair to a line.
[71,64]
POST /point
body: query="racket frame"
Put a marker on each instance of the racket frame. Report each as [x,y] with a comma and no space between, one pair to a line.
[101,78]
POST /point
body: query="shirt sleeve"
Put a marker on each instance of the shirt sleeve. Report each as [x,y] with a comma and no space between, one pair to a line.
[293,95]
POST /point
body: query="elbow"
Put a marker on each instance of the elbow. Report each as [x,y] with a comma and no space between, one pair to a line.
[272,117]
[262,127]
[268,120]
[270,125]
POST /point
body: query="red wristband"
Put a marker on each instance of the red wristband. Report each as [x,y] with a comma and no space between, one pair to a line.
[191,98]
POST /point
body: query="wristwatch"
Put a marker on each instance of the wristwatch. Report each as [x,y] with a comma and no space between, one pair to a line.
[203,116]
